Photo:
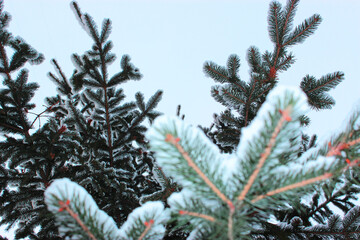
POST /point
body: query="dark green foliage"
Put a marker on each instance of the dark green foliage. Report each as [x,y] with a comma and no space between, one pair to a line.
[26,162]
[92,135]
[316,89]
[15,98]
[243,99]
[334,196]
[15,103]
[335,228]
[315,216]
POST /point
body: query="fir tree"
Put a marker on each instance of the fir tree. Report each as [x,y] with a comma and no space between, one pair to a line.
[92,136]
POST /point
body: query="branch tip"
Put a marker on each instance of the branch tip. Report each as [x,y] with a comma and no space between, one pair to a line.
[285,114]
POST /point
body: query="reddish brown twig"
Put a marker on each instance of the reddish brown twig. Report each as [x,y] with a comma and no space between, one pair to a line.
[199,215]
[293,186]
[39,115]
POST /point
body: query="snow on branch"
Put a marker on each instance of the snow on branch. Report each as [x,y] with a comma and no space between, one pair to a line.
[78,216]
[221,190]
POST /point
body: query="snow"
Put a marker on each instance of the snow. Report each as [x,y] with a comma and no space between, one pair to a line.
[63,189]
[223,164]
[189,136]
[194,234]
[304,166]
[180,197]
[150,210]
[272,101]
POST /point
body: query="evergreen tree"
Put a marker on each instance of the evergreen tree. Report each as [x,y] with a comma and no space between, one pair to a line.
[92,135]
[99,143]
[271,173]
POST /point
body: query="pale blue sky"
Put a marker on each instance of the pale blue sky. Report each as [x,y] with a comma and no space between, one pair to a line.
[170,40]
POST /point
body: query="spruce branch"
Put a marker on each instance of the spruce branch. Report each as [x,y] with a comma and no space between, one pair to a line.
[216,72]
[285,62]
[264,73]
[63,83]
[274,19]
[65,206]
[4,60]
[316,89]
[289,12]
[285,117]
[254,60]
[105,31]
[74,143]
[233,65]
[230,224]
[303,31]
[148,225]
[248,103]
[293,186]
[175,141]
[78,12]
[232,96]
[336,150]
[326,83]
[144,223]
[335,228]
